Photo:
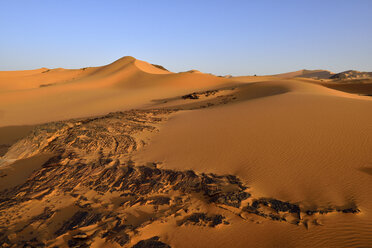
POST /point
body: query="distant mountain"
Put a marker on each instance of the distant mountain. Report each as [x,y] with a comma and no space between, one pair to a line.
[324,74]
[351,74]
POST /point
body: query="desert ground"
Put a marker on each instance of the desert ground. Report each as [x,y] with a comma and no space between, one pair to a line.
[132,155]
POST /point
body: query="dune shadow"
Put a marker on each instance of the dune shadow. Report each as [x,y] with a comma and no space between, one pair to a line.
[259,90]
[367,170]
[223,95]
[16,172]
[10,135]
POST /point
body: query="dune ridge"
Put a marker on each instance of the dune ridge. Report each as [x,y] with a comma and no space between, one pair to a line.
[61,94]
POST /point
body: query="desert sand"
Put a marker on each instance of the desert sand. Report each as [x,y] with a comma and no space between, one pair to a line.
[133,155]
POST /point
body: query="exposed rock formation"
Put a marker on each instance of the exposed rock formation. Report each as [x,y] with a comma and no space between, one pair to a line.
[90,188]
[151,243]
[197,95]
[351,75]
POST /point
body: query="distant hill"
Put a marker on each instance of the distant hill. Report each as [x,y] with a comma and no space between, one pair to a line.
[324,74]
[351,75]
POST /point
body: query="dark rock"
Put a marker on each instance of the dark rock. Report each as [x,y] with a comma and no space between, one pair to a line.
[159,200]
[284,206]
[79,219]
[216,220]
[203,219]
[191,96]
[350,210]
[151,243]
[122,239]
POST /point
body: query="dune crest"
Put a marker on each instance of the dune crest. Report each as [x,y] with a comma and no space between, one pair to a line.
[149,68]
[29,97]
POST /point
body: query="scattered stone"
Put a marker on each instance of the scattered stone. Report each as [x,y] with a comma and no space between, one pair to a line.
[203,219]
[79,219]
[197,95]
[353,210]
[153,242]
[191,96]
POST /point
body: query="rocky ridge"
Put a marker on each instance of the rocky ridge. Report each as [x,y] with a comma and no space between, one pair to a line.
[351,74]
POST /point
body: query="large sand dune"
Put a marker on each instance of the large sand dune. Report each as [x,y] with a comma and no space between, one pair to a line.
[37,96]
[318,74]
[204,161]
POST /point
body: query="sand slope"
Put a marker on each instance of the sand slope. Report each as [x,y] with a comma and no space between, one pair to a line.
[298,142]
[205,161]
[29,97]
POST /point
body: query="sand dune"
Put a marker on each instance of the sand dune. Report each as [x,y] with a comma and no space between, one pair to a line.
[203,161]
[38,96]
[318,74]
[300,143]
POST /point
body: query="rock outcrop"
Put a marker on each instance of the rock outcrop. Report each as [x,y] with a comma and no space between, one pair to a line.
[90,188]
[351,75]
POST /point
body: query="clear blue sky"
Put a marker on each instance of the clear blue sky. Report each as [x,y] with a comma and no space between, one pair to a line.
[221,37]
